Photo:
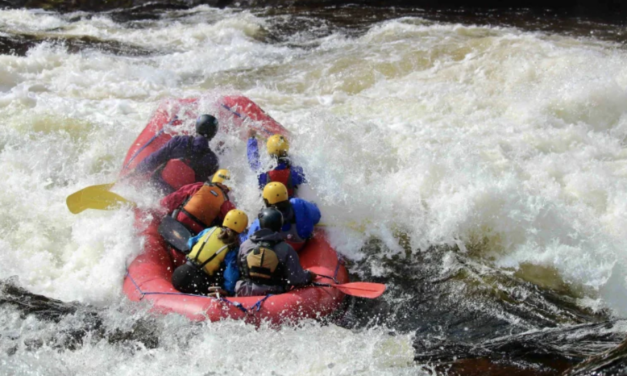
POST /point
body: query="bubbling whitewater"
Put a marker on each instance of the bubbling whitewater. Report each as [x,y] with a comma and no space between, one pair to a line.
[506,146]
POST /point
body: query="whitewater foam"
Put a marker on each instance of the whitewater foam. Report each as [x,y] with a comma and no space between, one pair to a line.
[508,143]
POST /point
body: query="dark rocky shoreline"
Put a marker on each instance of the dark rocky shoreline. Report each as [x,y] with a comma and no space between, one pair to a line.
[614,10]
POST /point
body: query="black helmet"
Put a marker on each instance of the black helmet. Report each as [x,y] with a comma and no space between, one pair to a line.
[271,218]
[207,125]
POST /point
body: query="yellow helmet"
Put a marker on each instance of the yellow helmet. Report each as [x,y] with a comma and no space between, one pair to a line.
[278,145]
[221,175]
[236,220]
[275,192]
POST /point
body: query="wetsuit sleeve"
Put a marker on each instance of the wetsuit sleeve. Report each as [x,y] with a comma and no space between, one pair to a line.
[263,180]
[295,275]
[194,239]
[307,216]
[172,201]
[298,176]
[159,157]
[231,271]
[252,151]
[175,199]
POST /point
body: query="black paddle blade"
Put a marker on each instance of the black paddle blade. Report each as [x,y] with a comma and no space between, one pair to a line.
[175,234]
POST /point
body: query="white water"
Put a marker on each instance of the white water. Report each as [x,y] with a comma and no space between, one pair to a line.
[508,143]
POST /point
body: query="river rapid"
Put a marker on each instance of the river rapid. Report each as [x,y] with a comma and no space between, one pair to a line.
[479,171]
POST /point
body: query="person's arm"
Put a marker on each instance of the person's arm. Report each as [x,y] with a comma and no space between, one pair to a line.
[313,212]
[175,199]
[307,216]
[252,151]
[263,179]
[295,275]
[157,158]
[298,176]
[231,271]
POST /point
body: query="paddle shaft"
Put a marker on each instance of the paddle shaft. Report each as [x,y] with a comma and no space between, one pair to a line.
[367,290]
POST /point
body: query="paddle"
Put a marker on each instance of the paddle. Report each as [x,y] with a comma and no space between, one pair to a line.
[175,234]
[368,290]
[95,197]
[98,196]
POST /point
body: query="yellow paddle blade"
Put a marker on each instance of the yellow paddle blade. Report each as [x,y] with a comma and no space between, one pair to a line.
[95,197]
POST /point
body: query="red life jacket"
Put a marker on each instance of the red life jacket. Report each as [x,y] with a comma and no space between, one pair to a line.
[177,173]
[283,176]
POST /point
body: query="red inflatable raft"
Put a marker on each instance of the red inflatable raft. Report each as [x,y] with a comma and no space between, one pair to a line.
[149,275]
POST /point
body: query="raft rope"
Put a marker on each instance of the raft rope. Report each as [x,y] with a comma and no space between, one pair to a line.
[254,308]
[340,261]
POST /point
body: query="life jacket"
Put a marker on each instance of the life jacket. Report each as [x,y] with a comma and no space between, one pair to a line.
[283,176]
[177,173]
[202,208]
[209,252]
[262,265]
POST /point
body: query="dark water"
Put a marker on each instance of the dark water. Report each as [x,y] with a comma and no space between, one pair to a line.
[351,20]
[607,9]
[506,326]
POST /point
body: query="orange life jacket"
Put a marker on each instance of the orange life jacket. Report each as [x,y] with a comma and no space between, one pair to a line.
[203,207]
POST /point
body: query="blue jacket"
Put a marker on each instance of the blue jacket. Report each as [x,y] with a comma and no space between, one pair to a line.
[307,216]
[252,150]
[231,270]
[202,159]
